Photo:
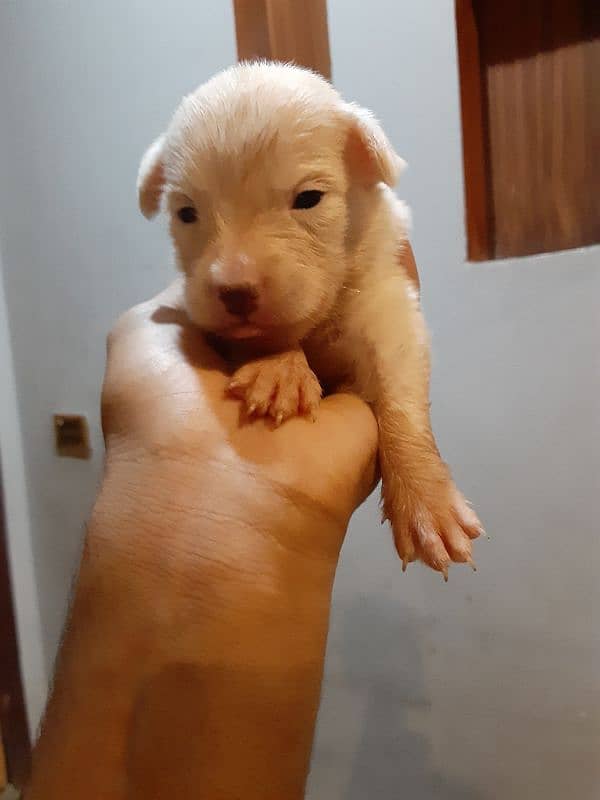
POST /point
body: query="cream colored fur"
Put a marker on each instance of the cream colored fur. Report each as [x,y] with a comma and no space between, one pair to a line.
[329,297]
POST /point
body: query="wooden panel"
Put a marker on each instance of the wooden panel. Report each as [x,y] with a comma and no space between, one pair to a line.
[251,29]
[541,143]
[539,63]
[284,30]
[298,32]
[3,772]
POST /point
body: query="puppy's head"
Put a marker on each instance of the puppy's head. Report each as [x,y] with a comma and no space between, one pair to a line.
[258,169]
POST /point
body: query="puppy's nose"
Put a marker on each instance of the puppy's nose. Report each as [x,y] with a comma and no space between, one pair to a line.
[240,301]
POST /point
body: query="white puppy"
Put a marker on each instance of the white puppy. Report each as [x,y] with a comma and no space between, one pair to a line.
[288,233]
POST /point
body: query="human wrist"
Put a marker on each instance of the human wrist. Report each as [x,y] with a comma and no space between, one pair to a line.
[215,519]
[209,480]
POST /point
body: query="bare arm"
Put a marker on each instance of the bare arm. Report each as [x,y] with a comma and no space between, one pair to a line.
[192,660]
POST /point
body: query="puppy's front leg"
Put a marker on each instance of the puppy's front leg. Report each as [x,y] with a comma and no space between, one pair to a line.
[430,519]
[278,386]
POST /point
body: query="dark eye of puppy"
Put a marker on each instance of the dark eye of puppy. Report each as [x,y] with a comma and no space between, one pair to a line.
[187,214]
[308,198]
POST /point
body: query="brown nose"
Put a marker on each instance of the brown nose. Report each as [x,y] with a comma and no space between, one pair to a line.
[240,301]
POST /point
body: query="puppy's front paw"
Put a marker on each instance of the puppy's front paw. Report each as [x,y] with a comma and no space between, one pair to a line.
[433,523]
[278,386]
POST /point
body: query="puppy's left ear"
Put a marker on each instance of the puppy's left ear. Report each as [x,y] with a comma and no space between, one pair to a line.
[151,178]
[369,154]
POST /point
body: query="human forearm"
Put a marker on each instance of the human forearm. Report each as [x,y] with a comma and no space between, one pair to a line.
[193,657]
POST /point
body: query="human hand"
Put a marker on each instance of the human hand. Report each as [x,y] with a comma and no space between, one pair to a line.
[165,398]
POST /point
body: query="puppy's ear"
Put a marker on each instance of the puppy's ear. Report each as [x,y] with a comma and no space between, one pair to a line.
[151,178]
[369,153]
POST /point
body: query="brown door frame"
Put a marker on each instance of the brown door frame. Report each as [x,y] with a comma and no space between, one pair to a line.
[13,717]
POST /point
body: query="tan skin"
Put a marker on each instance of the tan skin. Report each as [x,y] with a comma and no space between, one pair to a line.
[192,661]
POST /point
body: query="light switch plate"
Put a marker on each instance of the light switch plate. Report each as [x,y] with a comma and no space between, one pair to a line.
[72,436]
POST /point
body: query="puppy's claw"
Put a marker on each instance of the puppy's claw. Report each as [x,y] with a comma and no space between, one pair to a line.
[472,564]
[251,409]
[444,572]
[278,419]
[404,564]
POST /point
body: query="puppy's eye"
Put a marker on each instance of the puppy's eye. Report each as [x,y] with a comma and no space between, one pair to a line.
[187,214]
[308,199]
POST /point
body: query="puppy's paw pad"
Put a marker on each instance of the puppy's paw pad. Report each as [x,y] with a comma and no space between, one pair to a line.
[278,387]
[436,531]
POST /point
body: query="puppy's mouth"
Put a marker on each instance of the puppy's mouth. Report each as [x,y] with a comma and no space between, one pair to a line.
[243,330]
[249,326]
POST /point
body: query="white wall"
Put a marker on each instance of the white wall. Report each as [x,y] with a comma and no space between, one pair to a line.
[487,687]
[84,88]
[19,539]
[483,689]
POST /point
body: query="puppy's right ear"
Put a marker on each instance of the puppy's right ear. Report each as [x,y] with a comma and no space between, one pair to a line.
[151,178]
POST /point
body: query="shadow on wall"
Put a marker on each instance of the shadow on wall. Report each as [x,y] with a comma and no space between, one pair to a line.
[368,739]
